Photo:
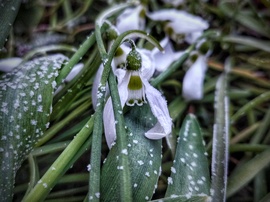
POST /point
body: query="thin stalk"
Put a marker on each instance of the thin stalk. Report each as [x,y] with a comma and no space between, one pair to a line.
[121,141]
[58,168]
[52,131]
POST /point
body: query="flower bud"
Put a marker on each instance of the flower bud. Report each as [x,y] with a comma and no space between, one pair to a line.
[134,60]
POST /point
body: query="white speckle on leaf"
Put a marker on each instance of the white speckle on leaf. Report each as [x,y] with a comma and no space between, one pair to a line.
[170,180]
[124,151]
[173,170]
[97,194]
[140,162]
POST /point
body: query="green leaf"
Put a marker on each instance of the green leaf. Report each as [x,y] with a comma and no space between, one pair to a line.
[144,159]
[25,100]
[186,198]
[248,41]
[190,170]
[246,172]
[220,151]
[8,13]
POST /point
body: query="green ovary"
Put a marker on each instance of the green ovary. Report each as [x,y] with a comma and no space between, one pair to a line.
[135,83]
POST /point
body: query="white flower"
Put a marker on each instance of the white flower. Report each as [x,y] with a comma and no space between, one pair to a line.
[134,88]
[131,19]
[194,78]
[164,59]
[180,23]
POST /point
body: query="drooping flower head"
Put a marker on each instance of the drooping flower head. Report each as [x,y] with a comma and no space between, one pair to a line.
[134,88]
[194,77]
[180,25]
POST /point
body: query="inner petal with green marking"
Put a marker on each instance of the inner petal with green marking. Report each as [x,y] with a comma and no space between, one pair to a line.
[136,92]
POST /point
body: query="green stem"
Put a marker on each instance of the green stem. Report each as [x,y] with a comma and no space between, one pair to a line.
[88,43]
[57,169]
[60,125]
[121,141]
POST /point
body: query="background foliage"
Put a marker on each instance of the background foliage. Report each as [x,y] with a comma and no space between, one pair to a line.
[232,118]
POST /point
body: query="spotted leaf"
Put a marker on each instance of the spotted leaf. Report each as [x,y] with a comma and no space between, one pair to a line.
[25,105]
[190,170]
[144,159]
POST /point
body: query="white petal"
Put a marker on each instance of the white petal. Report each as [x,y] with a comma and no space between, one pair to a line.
[194,78]
[148,65]
[188,23]
[182,22]
[160,110]
[163,60]
[164,15]
[75,70]
[192,37]
[109,123]
[8,64]
[130,19]
[123,88]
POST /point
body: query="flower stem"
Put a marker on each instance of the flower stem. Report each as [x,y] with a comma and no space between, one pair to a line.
[121,141]
[58,168]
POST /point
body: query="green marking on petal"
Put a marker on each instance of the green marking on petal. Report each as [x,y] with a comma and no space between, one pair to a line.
[169,30]
[135,83]
[205,47]
[193,57]
[134,60]
[119,52]
[131,102]
[142,13]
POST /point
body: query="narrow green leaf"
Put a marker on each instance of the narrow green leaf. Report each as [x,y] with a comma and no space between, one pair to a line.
[144,159]
[190,171]
[25,99]
[60,166]
[248,41]
[247,172]
[220,139]
[233,10]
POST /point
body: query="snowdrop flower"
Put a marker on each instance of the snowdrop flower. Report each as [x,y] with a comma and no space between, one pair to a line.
[194,77]
[131,19]
[180,24]
[163,60]
[134,89]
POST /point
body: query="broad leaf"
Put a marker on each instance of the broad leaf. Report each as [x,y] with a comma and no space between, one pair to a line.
[190,170]
[144,159]
[25,106]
